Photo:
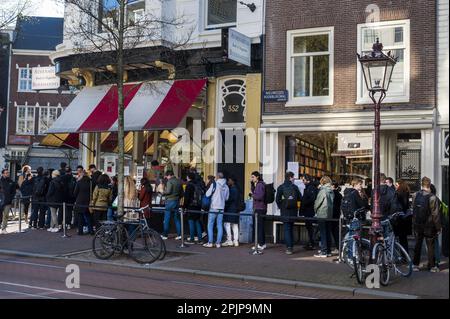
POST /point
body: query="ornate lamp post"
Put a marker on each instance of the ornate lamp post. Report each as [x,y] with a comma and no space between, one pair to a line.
[377,68]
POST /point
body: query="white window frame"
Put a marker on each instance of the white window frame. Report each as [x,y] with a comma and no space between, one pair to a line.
[309,100]
[407,54]
[20,78]
[215,26]
[48,108]
[26,119]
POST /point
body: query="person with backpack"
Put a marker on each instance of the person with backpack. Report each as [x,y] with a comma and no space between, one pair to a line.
[288,195]
[55,197]
[218,193]
[9,191]
[193,201]
[323,207]
[307,208]
[234,205]
[387,195]
[427,224]
[173,194]
[258,188]
[438,241]
[401,205]
[354,199]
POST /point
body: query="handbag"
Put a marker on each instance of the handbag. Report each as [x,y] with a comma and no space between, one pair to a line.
[206,200]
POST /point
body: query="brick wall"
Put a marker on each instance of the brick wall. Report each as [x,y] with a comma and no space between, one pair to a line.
[345,15]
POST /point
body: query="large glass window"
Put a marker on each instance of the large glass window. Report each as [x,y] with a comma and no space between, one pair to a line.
[310,67]
[395,38]
[24,80]
[220,13]
[47,116]
[25,120]
[108,10]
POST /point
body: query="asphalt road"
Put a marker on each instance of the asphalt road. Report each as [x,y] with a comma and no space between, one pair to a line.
[36,278]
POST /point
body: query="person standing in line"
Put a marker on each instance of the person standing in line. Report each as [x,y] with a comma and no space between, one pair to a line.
[219,193]
[300,183]
[173,193]
[336,215]
[323,207]
[115,192]
[82,195]
[231,222]
[26,191]
[62,170]
[101,200]
[258,188]
[288,195]
[9,191]
[401,204]
[193,202]
[427,224]
[39,208]
[387,195]
[390,183]
[95,174]
[307,208]
[55,198]
[437,244]
[145,197]
[69,183]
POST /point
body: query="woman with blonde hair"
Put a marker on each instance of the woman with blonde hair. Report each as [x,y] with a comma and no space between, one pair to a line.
[323,206]
[130,193]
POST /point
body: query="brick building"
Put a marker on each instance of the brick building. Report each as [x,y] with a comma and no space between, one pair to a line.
[31,113]
[326,124]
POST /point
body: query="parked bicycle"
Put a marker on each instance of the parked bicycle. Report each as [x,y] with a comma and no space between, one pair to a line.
[388,254]
[355,249]
[142,243]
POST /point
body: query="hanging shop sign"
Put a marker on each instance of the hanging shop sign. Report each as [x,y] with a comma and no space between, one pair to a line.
[44,78]
[239,47]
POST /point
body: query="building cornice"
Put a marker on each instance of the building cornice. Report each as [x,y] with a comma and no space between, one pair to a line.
[32,52]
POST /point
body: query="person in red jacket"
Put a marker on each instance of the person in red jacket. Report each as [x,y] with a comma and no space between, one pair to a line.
[145,196]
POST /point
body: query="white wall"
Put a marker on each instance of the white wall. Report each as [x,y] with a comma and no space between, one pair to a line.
[2,158]
[443,70]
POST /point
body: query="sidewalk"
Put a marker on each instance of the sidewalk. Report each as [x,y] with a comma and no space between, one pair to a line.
[273,264]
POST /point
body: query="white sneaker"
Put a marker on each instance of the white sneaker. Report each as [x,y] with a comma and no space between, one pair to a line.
[4,231]
[208,245]
[217,245]
[227,244]
[195,238]
[236,244]
[416,268]
[178,238]
[50,229]
[68,227]
[260,247]
[55,230]
[163,237]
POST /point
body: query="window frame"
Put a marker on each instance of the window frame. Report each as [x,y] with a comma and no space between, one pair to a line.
[215,26]
[29,80]
[26,120]
[48,108]
[405,24]
[290,55]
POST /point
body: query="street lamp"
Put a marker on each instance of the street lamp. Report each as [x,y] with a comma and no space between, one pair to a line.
[377,69]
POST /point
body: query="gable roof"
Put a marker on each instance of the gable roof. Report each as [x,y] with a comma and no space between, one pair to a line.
[39,33]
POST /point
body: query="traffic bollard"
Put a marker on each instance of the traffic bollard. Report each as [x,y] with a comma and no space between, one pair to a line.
[182,228]
[64,221]
[256,251]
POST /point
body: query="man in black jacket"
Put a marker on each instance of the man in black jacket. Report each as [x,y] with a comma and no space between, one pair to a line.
[387,197]
[82,196]
[69,183]
[9,190]
[38,208]
[307,208]
[95,174]
[288,195]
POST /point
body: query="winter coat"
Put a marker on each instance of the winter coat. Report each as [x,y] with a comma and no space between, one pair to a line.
[258,195]
[174,190]
[145,198]
[40,188]
[69,183]
[82,193]
[337,204]
[401,202]
[231,206]
[26,189]
[94,178]
[387,195]
[323,206]
[188,197]
[357,201]
[282,192]
[101,198]
[435,222]
[9,189]
[220,196]
[308,200]
[55,193]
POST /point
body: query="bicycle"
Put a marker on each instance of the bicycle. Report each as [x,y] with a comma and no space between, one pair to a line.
[143,244]
[355,249]
[389,254]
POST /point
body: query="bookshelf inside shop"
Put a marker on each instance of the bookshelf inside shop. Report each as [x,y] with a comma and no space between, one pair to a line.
[311,159]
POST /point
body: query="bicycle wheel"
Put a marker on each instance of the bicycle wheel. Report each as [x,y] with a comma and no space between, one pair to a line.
[145,246]
[402,261]
[163,251]
[104,242]
[360,260]
[381,260]
[347,255]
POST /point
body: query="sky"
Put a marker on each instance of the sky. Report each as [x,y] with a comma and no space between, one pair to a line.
[47,8]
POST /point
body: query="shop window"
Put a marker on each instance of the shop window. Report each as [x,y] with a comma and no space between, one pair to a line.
[220,13]
[310,67]
[25,81]
[25,120]
[47,116]
[395,38]
[108,11]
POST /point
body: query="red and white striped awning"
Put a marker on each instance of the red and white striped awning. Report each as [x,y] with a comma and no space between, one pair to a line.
[148,106]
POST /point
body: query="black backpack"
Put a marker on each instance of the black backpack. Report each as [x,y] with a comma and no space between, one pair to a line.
[347,205]
[41,187]
[290,197]
[197,196]
[421,209]
[269,193]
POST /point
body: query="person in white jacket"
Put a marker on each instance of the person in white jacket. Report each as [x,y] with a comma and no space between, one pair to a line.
[219,193]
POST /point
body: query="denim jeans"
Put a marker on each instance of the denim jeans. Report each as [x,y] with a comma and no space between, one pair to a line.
[325,237]
[212,216]
[110,214]
[289,235]
[171,207]
[38,215]
[195,228]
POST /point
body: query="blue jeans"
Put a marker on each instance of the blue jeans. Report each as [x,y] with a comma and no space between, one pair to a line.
[325,237]
[288,235]
[195,227]
[171,207]
[110,214]
[212,216]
